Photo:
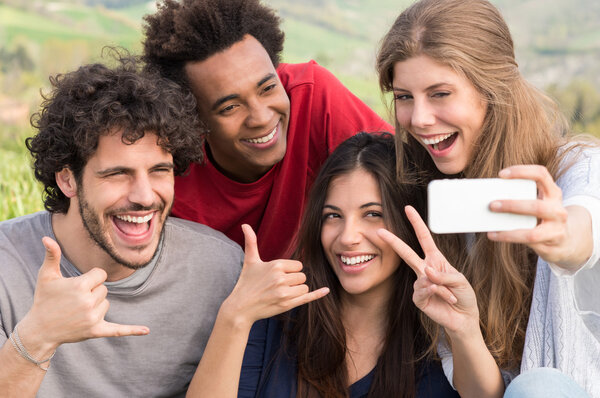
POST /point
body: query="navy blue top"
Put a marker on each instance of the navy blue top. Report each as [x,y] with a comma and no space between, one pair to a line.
[269,372]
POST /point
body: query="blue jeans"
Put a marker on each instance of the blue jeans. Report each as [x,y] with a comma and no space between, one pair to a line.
[543,383]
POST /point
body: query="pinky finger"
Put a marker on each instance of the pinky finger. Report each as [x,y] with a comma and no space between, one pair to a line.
[308,297]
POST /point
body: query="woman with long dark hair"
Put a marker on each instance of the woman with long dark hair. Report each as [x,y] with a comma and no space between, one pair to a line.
[363,338]
[464,110]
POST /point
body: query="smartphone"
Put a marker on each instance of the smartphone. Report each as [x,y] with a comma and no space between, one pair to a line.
[462,205]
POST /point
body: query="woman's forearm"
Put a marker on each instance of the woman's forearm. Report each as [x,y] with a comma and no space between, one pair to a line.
[218,373]
[476,373]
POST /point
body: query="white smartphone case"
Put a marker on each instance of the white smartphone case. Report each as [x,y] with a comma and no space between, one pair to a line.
[462,205]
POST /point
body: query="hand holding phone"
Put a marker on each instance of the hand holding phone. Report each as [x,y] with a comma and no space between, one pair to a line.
[462,205]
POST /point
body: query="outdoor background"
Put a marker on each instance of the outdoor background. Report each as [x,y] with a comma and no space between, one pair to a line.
[557,44]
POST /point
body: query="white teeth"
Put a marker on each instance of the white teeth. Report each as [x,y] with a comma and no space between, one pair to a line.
[432,141]
[356,259]
[137,220]
[264,139]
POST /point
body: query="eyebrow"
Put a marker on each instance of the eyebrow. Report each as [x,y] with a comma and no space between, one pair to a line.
[369,204]
[230,97]
[432,87]
[115,169]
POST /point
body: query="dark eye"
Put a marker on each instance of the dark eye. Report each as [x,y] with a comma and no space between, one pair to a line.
[115,174]
[374,214]
[441,94]
[227,109]
[330,216]
[402,97]
[269,87]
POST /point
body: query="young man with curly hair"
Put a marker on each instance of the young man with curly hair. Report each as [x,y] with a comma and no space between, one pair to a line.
[108,145]
[270,125]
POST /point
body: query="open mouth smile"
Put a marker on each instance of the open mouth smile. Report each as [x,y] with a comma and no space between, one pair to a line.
[440,142]
[133,227]
[263,140]
[356,260]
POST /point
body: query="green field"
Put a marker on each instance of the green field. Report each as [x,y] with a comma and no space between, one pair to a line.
[559,38]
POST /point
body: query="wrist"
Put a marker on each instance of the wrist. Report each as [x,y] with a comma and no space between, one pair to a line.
[34,338]
[234,317]
[464,335]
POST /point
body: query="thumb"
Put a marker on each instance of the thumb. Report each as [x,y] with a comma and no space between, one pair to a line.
[51,266]
[250,245]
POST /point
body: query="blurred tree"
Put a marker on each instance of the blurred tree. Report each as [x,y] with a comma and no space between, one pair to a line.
[580,102]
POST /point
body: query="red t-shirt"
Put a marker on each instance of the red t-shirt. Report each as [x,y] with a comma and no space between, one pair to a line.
[323,113]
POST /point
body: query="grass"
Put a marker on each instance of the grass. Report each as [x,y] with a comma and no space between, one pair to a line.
[19,192]
[344,42]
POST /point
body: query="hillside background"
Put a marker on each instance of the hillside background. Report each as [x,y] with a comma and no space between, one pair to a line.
[557,44]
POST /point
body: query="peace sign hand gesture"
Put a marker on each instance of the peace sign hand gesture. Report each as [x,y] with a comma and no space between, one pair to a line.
[440,291]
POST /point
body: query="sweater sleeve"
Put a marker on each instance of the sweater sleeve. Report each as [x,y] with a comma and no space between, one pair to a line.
[581,187]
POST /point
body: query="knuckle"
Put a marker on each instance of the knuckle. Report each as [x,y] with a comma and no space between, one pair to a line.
[533,235]
[280,280]
[301,277]
[91,318]
[277,266]
[562,214]
[280,293]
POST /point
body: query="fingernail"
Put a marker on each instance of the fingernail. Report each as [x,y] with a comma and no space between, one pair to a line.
[495,205]
[504,173]
[453,299]
[492,235]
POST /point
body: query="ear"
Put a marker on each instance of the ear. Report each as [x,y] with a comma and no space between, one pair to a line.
[65,179]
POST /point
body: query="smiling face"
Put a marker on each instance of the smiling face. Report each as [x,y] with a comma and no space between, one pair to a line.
[440,108]
[352,214]
[124,197]
[245,107]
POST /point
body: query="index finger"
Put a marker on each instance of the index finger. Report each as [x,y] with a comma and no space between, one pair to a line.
[537,173]
[403,250]
[421,230]
[92,278]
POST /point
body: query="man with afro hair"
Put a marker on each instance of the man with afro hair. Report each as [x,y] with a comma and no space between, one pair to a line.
[270,126]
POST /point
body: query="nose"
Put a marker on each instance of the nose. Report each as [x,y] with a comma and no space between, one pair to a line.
[141,191]
[259,113]
[351,233]
[422,114]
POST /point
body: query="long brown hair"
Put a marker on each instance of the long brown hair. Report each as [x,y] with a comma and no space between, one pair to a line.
[522,126]
[317,334]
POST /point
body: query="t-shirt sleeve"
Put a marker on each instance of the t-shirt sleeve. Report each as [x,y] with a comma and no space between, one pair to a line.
[342,113]
[445,354]
[252,365]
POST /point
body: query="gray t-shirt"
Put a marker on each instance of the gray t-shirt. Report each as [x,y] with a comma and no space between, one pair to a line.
[195,270]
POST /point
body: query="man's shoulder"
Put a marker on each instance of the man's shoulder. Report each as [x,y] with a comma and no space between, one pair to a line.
[25,225]
[293,75]
[200,233]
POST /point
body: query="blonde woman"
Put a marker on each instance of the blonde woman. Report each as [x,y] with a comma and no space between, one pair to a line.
[464,110]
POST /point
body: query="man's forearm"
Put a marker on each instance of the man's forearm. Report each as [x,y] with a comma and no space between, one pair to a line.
[18,377]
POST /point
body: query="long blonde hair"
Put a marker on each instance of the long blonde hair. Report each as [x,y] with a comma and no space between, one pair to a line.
[522,126]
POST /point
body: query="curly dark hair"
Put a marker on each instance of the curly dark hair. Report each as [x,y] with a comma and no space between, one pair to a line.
[97,100]
[193,30]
